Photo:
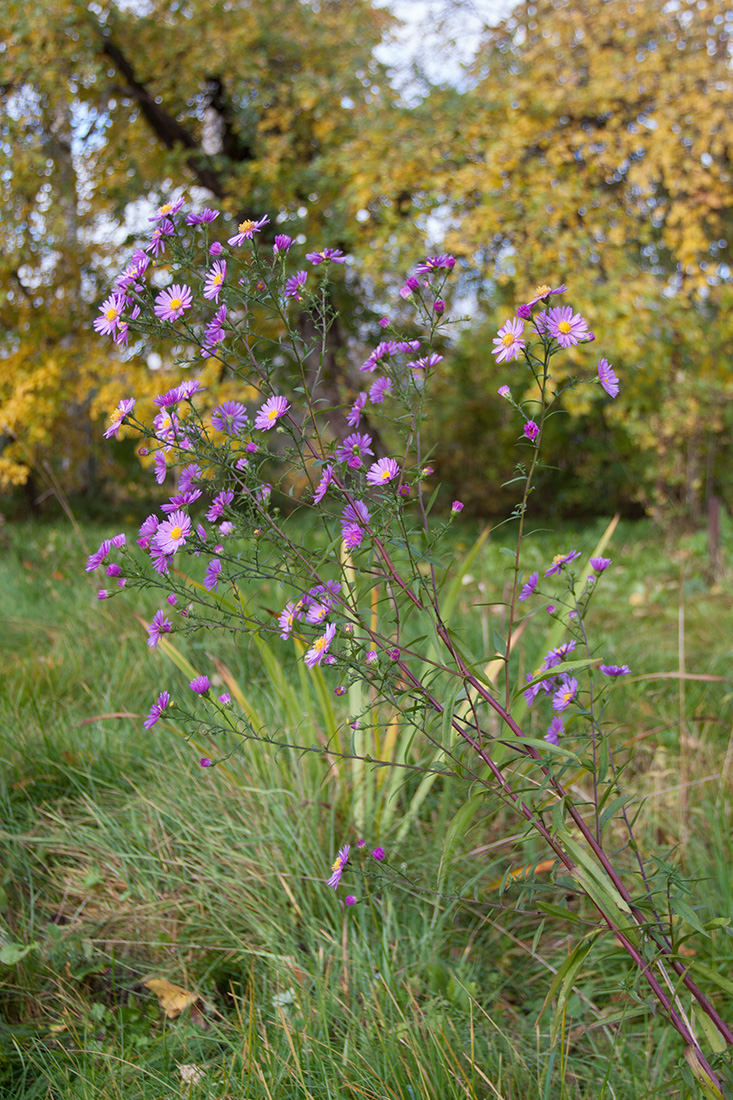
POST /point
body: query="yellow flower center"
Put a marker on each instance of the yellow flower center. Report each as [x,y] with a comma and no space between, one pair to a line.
[165,208]
[564,327]
[218,279]
[385,475]
[175,303]
[165,423]
[244,227]
[567,696]
[542,290]
[338,864]
[116,416]
[111,313]
[319,644]
[273,414]
[558,558]
[508,339]
[176,532]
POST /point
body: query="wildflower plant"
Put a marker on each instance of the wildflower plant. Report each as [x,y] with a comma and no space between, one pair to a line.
[366,602]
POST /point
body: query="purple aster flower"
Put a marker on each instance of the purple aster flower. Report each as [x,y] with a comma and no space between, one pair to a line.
[172,533]
[349,900]
[221,501]
[295,284]
[352,535]
[229,417]
[187,389]
[102,594]
[211,576]
[270,413]
[188,475]
[160,561]
[353,448]
[323,485]
[327,592]
[247,229]
[205,762]
[225,698]
[156,710]
[456,507]
[317,612]
[531,430]
[172,599]
[542,323]
[111,312]
[524,312]
[411,285]
[607,377]
[288,616]
[171,304]
[147,529]
[96,559]
[113,569]
[426,362]
[354,414]
[338,867]
[378,854]
[214,281]
[157,238]
[529,587]
[615,670]
[438,306]
[200,685]
[341,690]
[168,399]
[204,217]
[166,210]
[382,471]
[559,561]
[119,541]
[435,263]
[160,467]
[555,730]
[543,292]
[216,248]
[565,694]
[504,391]
[282,243]
[557,655]
[404,490]
[118,415]
[383,322]
[409,346]
[180,500]
[214,332]
[371,656]
[335,255]
[320,647]
[600,564]
[160,625]
[226,529]
[380,389]
[567,327]
[393,654]
[356,513]
[508,341]
[382,351]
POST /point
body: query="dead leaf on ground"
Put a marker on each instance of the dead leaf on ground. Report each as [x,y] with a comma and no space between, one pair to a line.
[173,998]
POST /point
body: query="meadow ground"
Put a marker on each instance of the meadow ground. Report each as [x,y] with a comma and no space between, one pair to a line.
[125,862]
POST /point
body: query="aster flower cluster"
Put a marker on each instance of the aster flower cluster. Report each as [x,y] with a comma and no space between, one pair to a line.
[342,861]
[551,329]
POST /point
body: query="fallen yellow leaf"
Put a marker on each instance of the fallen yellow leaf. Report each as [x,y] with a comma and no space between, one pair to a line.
[173,998]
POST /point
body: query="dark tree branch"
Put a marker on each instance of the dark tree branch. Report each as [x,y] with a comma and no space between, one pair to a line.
[163,125]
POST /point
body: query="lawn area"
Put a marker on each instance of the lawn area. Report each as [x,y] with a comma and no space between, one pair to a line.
[166,929]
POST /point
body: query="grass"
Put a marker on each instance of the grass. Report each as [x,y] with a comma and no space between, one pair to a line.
[125,861]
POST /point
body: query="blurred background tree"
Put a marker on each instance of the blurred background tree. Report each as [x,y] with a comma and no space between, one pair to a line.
[587,143]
